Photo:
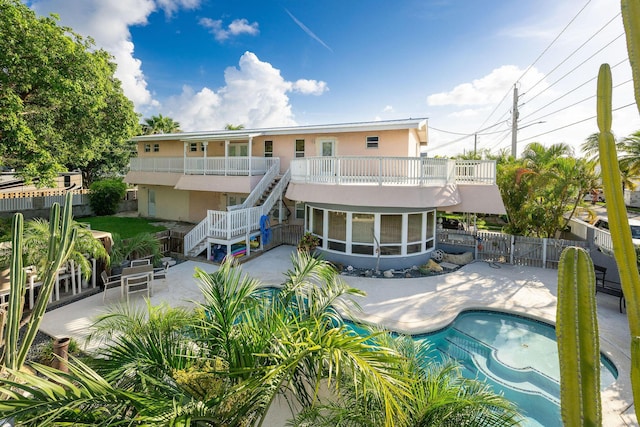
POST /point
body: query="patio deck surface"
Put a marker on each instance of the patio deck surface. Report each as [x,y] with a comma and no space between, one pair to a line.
[406,305]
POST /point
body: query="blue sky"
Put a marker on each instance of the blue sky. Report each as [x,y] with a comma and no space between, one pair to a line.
[268,63]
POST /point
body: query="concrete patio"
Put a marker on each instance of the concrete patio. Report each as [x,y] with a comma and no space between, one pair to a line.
[405,305]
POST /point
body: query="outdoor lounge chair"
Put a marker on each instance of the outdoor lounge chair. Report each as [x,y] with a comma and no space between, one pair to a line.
[110,282]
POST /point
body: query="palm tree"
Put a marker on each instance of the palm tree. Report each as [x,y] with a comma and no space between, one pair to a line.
[36,240]
[227,361]
[160,124]
[230,126]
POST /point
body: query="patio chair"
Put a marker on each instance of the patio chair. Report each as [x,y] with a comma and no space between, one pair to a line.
[161,273]
[139,262]
[137,283]
[110,282]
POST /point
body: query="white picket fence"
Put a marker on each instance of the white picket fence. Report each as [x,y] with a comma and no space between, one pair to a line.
[19,204]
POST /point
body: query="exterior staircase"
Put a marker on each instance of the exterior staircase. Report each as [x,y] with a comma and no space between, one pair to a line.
[240,221]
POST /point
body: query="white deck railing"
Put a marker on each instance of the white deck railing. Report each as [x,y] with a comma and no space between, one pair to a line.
[203,165]
[227,224]
[602,239]
[259,189]
[411,171]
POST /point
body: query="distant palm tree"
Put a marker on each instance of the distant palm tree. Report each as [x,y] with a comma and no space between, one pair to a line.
[229,126]
[160,124]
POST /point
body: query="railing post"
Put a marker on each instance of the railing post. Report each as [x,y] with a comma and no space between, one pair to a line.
[513,249]
[380,171]
[544,252]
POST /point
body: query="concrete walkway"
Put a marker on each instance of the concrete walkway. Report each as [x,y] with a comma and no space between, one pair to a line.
[405,305]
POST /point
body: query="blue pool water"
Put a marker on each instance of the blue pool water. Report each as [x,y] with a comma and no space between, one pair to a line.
[517,356]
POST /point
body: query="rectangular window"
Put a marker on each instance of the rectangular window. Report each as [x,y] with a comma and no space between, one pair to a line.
[268,148]
[362,228]
[156,148]
[414,228]
[201,146]
[300,210]
[372,142]
[318,217]
[299,147]
[337,225]
[390,229]
[147,148]
[193,146]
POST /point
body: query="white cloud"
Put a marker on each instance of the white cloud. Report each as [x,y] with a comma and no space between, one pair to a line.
[310,87]
[388,109]
[489,89]
[254,95]
[108,23]
[235,28]
[172,6]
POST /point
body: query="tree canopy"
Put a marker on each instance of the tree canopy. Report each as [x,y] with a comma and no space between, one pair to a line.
[61,107]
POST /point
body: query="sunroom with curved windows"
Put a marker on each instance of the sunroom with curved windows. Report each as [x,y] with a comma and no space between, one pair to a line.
[368,237]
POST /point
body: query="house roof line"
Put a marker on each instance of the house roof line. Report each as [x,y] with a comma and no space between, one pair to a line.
[419,124]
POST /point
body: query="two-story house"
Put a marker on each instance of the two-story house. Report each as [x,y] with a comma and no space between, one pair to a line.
[363,189]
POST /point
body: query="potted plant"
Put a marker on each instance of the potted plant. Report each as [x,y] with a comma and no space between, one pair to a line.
[308,242]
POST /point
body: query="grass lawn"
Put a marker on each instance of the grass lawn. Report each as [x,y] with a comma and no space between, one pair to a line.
[125,227]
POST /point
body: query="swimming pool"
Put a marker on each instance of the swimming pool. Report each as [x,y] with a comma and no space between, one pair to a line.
[518,356]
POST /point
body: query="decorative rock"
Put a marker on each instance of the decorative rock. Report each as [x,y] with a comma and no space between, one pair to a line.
[388,273]
[368,273]
[349,268]
[433,266]
[460,259]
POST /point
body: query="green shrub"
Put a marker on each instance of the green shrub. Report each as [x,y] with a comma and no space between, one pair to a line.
[106,195]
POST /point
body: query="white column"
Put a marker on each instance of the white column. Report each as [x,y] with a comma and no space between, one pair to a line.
[204,168]
[184,158]
[226,156]
[250,153]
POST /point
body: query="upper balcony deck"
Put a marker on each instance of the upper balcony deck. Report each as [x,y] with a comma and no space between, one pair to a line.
[227,166]
[392,171]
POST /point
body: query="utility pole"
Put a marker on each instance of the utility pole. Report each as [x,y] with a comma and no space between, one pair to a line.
[475,144]
[514,122]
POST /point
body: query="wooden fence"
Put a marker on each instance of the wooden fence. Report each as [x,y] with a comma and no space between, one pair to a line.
[506,248]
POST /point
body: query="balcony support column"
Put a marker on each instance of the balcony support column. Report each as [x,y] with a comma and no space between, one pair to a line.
[184,158]
[226,158]
[250,153]
[204,150]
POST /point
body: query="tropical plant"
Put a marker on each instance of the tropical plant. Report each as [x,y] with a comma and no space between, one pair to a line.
[308,242]
[36,237]
[60,244]
[543,190]
[141,245]
[160,124]
[230,126]
[228,361]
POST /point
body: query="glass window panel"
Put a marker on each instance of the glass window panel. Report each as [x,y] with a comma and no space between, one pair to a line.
[429,244]
[268,148]
[413,249]
[300,210]
[362,249]
[430,224]
[337,225]
[156,148]
[147,148]
[362,227]
[337,246]
[299,147]
[390,228]
[390,250]
[318,215]
[414,229]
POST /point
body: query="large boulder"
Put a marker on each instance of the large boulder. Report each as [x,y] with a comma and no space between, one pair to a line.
[458,259]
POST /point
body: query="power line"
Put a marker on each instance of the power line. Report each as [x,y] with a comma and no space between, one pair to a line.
[575,68]
[574,52]
[574,123]
[535,61]
[574,104]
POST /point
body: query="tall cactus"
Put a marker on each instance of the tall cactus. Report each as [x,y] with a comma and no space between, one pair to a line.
[62,237]
[623,247]
[577,335]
